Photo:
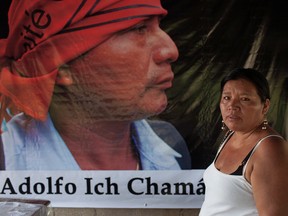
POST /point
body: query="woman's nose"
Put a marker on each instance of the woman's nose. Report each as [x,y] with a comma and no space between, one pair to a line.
[166,50]
[233,104]
[233,108]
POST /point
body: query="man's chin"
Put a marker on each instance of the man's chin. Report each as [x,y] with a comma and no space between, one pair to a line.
[158,109]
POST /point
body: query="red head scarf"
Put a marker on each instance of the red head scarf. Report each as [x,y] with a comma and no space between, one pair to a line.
[44,34]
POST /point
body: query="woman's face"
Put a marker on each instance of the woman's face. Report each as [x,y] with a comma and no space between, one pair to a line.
[125,77]
[241,106]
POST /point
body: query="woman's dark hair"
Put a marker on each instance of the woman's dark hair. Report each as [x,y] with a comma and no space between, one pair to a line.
[251,75]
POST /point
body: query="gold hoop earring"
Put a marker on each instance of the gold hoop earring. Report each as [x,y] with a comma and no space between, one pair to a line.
[265,123]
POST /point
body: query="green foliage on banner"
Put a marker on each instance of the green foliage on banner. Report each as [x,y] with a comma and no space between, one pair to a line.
[213,38]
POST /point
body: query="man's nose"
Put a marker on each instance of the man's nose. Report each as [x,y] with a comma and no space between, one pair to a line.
[166,48]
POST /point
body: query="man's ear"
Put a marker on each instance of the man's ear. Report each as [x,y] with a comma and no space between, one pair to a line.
[64,76]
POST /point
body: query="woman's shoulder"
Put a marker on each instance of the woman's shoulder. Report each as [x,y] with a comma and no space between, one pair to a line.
[272,140]
[272,148]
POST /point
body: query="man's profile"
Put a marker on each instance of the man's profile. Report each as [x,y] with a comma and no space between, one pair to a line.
[77,86]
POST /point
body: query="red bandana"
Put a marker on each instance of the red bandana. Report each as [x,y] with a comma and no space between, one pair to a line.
[44,34]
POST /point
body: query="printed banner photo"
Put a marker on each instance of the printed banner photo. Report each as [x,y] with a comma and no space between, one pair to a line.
[116,104]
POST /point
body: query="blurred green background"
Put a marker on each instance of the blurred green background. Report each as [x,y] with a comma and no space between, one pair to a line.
[214,37]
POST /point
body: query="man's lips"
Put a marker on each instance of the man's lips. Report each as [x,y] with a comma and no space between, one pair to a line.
[164,82]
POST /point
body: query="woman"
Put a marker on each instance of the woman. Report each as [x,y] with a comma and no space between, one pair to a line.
[249,175]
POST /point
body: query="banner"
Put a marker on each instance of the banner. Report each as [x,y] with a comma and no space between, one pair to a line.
[211,39]
[107,189]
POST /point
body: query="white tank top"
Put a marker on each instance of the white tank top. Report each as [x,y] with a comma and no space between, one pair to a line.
[228,195]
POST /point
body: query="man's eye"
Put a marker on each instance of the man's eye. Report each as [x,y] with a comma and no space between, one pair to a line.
[226,98]
[140,28]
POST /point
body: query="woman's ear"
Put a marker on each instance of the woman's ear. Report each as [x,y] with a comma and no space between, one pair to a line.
[266,106]
[64,76]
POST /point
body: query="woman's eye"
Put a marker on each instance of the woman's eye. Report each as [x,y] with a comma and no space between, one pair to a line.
[226,98]
[245,99]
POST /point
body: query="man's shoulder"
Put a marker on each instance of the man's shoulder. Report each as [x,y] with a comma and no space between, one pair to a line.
[169,134]
[165,130]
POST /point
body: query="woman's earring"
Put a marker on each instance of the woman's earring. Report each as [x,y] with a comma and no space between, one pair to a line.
[223,125]
[265,123]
